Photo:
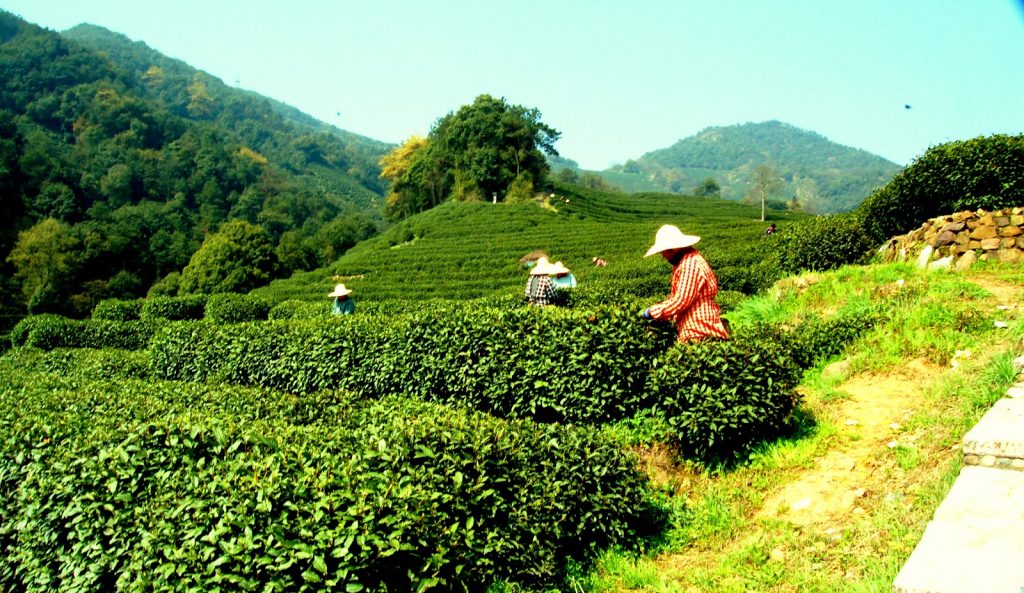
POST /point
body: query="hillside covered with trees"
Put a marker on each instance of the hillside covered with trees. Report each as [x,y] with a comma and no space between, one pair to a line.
[804,170]
[117,163]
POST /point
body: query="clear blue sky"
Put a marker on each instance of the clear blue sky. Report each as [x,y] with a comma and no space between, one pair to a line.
[617,78]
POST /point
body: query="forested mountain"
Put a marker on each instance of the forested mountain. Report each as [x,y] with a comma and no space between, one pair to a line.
[820,175]
[117,162]
[268,126]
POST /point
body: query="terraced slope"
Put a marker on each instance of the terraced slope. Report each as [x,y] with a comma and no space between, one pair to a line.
[465,251]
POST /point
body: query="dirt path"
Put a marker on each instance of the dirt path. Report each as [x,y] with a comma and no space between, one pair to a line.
[870,421]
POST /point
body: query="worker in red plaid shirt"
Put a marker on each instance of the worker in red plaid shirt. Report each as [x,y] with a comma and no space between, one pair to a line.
[691,305]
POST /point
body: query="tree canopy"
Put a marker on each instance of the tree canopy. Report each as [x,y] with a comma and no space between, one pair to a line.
[237,258]
[475,153]
[139,157]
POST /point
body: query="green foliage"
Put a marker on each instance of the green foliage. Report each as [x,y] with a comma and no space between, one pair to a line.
[236,308]
[547,364]
[985,172]
[140,156]
[484,149]
[47,332]
[722,397]
[118,310]
[173,308]
[824,243]
[709,188]
[520,190]
[814,338]
[469,251]
[175,487]
[82,363]
[43,257]
[551,365]
[237,258]
[297,309]
[168,286]
[727,300]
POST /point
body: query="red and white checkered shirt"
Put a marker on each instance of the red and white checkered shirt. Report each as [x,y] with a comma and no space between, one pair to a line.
[692,301]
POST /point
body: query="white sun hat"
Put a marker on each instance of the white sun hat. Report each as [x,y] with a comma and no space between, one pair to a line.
[557,268]
[339,290]
[541,267]
[670,237]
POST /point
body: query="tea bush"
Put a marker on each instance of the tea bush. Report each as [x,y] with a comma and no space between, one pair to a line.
[118,310]
[984,172]
[236,308]
[722,397]
[548,364]
[173,308]
[298,309]
[825,243]
[54,331]
[85,363]
[727,300]
[815,338]
[161,487]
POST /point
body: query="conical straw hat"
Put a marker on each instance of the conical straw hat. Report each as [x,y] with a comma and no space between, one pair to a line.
[670,237]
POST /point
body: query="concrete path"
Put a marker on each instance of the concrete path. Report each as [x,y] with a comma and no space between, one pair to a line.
[975,541]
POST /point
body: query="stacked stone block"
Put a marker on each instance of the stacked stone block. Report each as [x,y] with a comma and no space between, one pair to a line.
[962,238]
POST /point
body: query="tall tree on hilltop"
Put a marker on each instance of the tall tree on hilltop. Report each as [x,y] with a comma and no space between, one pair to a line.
[708,188]
[763,183]
[474,153]
[419,178]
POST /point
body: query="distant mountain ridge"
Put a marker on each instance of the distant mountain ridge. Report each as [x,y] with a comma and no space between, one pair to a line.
[822,175]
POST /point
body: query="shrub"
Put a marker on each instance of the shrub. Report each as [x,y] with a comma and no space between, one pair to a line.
[722,397]
[174,308]
[550,365]
[728,299]
[547,364]
[749,278]
[297,309]
[118,310]
[984,172]
[236,308]
[620,291]
[815,338]
[20,334]
[47,332]
[88,363]
[824,243]
[126,489]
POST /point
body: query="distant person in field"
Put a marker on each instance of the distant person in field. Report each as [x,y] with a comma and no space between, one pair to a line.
[343,303]
[540,289]
[770,230]
[691,304]
[598,262]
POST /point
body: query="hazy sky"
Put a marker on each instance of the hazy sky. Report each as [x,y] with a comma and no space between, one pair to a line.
[616,78]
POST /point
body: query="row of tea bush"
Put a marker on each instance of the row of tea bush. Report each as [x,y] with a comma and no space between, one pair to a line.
[163,486]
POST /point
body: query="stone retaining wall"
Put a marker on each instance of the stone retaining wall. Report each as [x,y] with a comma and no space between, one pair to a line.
[962,238]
